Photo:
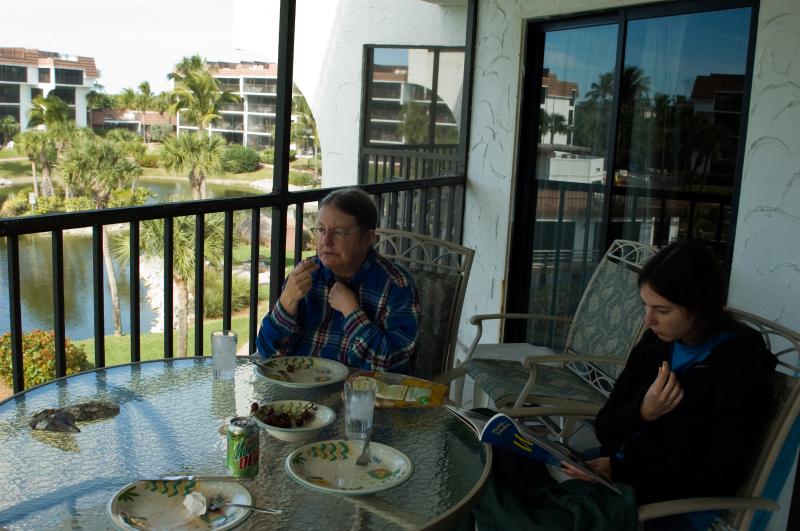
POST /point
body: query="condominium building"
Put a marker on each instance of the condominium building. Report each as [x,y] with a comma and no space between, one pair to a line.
[251,121]
[26,73]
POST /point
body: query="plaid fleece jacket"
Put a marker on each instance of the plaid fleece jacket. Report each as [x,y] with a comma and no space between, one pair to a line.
[381,335]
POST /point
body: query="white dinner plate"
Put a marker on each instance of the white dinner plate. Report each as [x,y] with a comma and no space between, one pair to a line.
[330,466]
[301,371]
[158,504]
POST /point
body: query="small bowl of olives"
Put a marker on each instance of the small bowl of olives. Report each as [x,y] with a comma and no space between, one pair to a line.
[292,420]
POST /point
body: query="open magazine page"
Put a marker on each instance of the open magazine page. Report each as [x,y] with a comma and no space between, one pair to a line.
[504,432]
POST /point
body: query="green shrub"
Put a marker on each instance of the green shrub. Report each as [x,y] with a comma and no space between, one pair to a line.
[53,203]
[212,295]
[148,160]
[240,159]
[268,156]
[78,203]
[38,353]
[16,205]
[299,178]
[160,132]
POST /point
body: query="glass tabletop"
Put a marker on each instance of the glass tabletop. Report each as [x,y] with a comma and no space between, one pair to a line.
[170,416]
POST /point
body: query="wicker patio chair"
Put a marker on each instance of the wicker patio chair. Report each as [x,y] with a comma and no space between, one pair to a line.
[441,270]
[607,323]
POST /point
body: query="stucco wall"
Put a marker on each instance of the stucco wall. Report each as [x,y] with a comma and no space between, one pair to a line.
[332,79]
[765,275]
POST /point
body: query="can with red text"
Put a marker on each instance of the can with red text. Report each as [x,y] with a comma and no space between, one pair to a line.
[242,457]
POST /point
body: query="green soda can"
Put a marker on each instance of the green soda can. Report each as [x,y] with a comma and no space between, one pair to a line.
[242,458]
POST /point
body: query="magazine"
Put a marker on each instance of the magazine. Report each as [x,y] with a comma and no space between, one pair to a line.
[498,429]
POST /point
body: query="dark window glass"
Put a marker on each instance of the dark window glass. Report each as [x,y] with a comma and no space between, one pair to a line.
[10,110]
[66,94]
[44,75]
[17,74]
[414,103]
[681,87]
[69,76]
[9,93]
[36,92]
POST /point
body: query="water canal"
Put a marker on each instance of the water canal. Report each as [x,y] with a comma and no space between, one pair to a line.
[37,277]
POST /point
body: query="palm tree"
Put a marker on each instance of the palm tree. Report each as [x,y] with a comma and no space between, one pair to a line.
[127,99]
[40,148]
[603,90]
[8,128]
[95,167]
[198,155]
[188,64]
[151,238]
[199,96]
[557,125]
[49,111]
[144,102]
[305,127]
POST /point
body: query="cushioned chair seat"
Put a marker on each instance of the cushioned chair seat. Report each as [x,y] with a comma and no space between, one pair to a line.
[503,381]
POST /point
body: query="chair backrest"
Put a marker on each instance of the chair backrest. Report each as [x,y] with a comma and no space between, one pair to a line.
[785,345]
[609,317]
[441,270]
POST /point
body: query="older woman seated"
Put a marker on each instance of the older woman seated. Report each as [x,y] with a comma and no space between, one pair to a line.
[347,303]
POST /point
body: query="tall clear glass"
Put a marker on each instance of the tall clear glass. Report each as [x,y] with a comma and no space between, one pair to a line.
[223,353]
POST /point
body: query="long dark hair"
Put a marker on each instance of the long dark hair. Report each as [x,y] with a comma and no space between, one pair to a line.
[688,274]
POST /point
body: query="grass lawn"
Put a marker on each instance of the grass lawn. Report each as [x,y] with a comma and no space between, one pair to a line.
[15,168]
[264,172]
[9,154]
[118,349]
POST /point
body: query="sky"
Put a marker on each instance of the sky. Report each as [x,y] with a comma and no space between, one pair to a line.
[135,40]
[672,51]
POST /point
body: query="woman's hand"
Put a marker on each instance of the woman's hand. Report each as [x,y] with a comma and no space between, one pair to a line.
[343,299]
[664,395]
[600,466]
[298,284]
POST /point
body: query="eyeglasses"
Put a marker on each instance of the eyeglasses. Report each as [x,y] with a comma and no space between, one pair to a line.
[335,234]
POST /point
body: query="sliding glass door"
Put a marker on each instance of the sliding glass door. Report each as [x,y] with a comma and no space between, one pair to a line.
[631,128]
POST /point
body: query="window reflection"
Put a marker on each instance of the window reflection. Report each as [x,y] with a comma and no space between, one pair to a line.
[681,105]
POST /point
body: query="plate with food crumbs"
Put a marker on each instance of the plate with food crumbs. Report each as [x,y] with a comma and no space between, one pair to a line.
[301,372]
[330,466]
[179,504]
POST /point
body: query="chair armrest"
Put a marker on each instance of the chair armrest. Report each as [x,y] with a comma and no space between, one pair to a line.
[555,411]
[690,505]
[477,318]
[530,361]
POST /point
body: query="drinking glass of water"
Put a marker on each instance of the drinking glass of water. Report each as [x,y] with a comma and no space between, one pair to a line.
[223,353]
[359,403]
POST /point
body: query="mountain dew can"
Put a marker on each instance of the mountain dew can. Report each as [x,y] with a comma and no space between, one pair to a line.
[242,457]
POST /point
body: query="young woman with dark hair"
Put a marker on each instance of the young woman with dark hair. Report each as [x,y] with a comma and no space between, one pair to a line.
[684,415]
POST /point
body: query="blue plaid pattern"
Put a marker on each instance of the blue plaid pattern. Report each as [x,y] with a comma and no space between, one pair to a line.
[381,335]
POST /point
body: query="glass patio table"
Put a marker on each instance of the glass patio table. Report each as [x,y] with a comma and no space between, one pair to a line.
[169,420]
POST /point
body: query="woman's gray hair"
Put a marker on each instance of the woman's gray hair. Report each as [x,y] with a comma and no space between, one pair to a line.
[355,202]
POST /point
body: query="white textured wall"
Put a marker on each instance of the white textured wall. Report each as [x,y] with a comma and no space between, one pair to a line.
[765,275]
[330,73]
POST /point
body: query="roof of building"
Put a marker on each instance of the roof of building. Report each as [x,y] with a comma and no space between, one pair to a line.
[705,87]
[557,88]
[41,58]
[243,69]
[400,76]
